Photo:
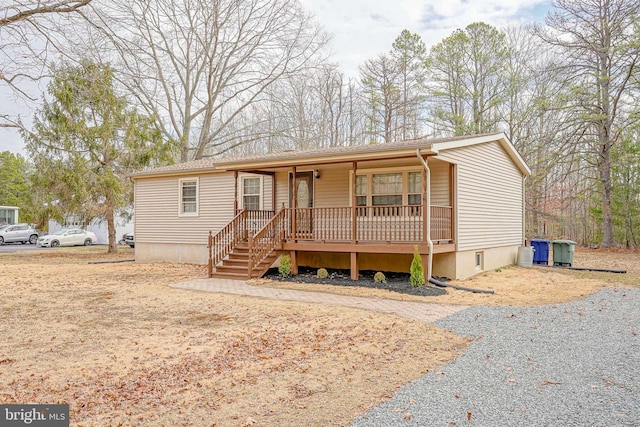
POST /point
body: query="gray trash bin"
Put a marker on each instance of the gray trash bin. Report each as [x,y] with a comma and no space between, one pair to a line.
[563,251]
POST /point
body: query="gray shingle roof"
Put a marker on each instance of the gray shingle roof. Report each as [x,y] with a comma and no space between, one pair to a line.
[210,164]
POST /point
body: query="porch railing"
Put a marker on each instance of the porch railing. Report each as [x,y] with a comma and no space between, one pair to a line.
[390,224]
[257,219]
[223,242]
[404,224]
[441,223]
[267,239]
[266,230]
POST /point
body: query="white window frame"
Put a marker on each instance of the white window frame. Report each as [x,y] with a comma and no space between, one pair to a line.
[479,260]
[181,211]
[260,191]
[405,170]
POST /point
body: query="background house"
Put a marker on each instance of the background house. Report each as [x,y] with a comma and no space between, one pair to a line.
[358,207]
[8,215]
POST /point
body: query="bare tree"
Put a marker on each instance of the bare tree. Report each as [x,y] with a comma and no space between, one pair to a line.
[24,48]
[199,64]
[532,115]
[330,88]
[316,108]
[600,45]
[23,10]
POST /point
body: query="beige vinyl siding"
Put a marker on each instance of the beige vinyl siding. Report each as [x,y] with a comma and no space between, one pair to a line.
[157,209]
[282,189]
[489,197]
[332,189]
[267,193]
[440,188]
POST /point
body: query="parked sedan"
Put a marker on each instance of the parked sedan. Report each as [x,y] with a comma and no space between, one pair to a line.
[68,237]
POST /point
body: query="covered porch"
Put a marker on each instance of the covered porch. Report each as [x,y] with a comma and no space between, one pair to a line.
[372,207]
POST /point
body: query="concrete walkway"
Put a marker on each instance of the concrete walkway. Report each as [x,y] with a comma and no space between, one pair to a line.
[422,312]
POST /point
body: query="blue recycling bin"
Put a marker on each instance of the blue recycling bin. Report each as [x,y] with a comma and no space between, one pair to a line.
[540,251]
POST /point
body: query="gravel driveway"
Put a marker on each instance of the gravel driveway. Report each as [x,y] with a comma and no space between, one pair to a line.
[575,364]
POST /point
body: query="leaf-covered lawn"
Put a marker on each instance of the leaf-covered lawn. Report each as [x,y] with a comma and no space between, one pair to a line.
[122,348]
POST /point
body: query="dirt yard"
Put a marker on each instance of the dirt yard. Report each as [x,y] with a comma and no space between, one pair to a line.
[124,349]
[516,285]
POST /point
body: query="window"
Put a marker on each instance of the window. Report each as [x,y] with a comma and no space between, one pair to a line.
[479,256]
[386,189]
[251,190]
[361,190]
[415,188]
[8,216]
[390,189]
[189,197]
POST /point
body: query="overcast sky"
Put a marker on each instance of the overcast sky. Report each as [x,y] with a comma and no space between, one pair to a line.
[362,29]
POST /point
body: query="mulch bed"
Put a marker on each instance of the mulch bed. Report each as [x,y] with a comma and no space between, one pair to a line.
[395,282]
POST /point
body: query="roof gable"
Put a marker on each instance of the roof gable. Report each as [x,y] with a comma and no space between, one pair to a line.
[501,138]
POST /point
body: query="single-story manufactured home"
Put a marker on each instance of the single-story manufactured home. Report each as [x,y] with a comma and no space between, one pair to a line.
[459,201]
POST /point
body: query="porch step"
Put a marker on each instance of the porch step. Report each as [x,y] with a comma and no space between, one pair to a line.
[233,276]
[242,256]
[241,248]
[239,267]
[236,261]
[233,269]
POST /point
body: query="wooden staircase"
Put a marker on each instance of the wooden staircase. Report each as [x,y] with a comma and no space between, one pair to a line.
[236,264]
[242,250]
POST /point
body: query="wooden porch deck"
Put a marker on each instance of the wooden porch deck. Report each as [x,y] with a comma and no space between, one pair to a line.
[370,229]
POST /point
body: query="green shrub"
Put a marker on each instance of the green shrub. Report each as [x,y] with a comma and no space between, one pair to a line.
[322,273]
[379,277]
[285,265]
[417,270]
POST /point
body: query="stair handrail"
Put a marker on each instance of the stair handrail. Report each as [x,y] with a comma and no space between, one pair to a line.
[267,239]
[223,242]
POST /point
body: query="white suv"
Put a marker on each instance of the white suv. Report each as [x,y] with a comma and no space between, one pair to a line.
[18,233]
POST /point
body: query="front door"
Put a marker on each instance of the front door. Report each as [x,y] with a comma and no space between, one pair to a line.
[304,202]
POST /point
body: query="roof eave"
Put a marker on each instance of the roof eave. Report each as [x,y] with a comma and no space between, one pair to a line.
[382,154]
[181,172]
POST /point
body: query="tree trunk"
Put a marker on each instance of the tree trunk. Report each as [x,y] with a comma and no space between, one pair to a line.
[111,224]
[604,169]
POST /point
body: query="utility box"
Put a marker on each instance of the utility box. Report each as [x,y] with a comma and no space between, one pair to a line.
[540,251]
[563,251]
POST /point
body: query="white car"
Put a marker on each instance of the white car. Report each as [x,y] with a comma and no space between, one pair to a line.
[18,233]
[68,237]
